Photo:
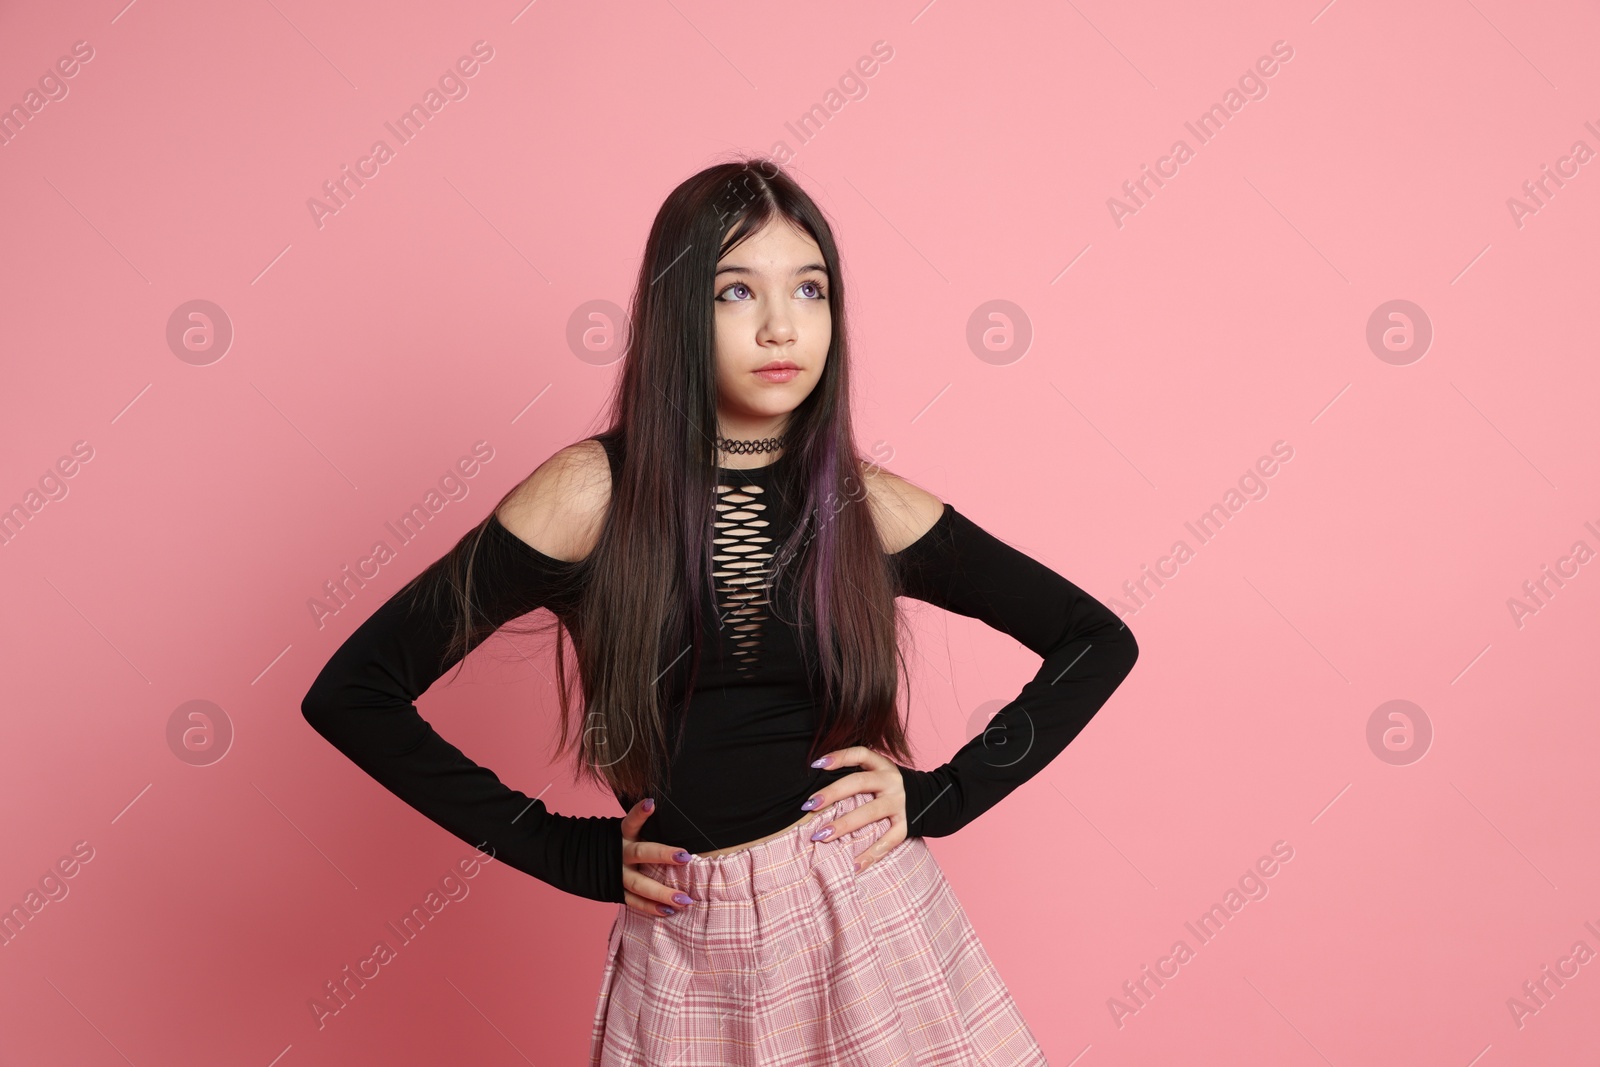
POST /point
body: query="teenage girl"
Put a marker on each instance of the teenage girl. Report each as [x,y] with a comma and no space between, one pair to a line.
[726,567]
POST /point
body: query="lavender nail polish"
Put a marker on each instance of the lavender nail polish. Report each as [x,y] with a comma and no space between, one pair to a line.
[821,762]
[683,898]
[665,910]
[810,804]
[823,834]
[682,856]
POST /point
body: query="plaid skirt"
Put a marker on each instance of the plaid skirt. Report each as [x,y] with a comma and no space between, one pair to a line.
[791,957]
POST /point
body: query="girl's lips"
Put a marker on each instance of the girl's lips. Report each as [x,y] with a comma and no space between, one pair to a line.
[778,374]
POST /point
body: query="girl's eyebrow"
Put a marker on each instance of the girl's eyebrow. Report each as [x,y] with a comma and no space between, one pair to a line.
[798,270]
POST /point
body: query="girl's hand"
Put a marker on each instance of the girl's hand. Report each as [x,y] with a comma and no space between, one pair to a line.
[646,895]
[880,776]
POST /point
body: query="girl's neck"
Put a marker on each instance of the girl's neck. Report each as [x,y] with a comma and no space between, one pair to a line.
[746,460]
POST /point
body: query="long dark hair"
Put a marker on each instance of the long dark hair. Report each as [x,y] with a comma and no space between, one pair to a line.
[638,593]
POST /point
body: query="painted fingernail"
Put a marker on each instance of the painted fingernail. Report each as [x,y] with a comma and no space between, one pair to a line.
[810,804]
[668,911]
[823,762]
[649,803]
[681,856]
[823,834]
[683,898]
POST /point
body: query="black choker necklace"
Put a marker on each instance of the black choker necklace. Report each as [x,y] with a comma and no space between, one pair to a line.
[740,448]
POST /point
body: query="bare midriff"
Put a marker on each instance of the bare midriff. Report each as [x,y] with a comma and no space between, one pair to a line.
[757,841]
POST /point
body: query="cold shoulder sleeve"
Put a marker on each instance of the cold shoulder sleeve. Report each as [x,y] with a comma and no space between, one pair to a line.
[1087,652]
[364,703]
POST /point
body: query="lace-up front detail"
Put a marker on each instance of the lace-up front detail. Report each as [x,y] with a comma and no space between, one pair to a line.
[742,549]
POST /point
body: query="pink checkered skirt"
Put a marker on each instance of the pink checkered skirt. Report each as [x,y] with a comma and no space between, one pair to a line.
[791,957]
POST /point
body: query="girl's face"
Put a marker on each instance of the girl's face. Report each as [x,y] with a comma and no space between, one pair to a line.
[771,293]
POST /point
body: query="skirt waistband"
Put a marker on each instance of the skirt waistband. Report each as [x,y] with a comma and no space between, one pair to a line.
[771,865]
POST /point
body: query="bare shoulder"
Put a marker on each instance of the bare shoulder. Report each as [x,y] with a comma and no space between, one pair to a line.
[560,508]
[901,510]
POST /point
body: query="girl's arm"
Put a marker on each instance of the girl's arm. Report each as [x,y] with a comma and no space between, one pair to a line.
[1087,651]
[363,703]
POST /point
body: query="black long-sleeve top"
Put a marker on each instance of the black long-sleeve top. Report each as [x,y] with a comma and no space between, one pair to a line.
[741,772]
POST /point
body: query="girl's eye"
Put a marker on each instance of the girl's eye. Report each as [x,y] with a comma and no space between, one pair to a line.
[816,287]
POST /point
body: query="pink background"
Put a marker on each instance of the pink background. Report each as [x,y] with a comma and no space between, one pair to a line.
[1168,354]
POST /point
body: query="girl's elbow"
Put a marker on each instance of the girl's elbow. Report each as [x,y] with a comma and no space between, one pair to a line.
[322,708]
[1121,638]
